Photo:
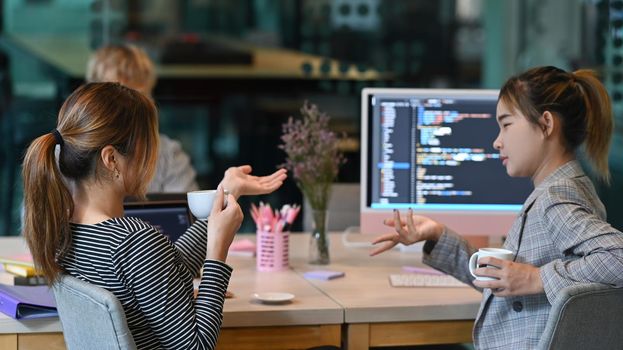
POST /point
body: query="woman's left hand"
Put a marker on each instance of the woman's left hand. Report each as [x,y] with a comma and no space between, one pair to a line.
[239,181]
[513,278]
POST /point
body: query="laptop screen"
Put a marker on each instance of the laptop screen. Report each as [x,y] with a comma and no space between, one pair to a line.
[171,218]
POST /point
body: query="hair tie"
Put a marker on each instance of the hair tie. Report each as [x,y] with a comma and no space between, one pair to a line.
[58,137]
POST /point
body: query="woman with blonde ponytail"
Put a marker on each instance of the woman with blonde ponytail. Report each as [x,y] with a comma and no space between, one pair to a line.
[74,222]
[561,237]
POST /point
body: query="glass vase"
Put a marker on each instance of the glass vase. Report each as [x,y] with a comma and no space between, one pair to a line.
[319,241]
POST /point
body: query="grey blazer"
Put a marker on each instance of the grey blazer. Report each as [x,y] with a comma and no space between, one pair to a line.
[564,234]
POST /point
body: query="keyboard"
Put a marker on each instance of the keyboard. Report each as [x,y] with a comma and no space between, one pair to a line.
[422,280]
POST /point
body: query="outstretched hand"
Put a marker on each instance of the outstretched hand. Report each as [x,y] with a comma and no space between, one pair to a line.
[416,228]
[239,181]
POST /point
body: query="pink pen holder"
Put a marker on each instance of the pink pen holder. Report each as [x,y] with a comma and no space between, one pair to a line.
[273,251]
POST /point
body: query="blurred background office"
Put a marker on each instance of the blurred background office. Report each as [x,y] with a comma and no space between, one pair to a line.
[230,72]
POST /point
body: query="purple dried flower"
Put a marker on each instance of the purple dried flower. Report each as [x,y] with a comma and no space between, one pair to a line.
[312,153]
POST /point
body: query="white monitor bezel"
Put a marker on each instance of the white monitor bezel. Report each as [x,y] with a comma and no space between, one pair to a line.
[464,222]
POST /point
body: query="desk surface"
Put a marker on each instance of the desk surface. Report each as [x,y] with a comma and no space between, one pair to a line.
[310,306]
[69,54]
[364,295]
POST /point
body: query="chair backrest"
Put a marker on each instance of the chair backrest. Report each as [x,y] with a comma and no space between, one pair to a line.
[587,316]
[91,316]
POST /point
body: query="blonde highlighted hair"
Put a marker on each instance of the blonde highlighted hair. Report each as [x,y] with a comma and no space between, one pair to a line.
[94,116]
[578,98]
[125,64]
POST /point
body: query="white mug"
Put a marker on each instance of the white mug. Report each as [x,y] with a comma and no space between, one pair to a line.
[201,202]
[499,253]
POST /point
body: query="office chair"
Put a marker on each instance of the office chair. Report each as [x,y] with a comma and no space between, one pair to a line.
[106,327]
[587,316]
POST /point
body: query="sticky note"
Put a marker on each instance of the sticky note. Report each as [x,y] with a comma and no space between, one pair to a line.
[323,274]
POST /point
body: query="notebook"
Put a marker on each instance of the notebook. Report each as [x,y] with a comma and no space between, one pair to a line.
[19,264]
[170,217]
[22,302]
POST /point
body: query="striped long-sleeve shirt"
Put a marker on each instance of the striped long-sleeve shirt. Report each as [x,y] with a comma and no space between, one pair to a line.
[152,278]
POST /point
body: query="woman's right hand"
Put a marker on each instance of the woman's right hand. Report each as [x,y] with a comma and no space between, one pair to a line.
[417,228]
[222,226]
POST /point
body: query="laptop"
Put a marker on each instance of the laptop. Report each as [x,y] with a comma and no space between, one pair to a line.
[170,217]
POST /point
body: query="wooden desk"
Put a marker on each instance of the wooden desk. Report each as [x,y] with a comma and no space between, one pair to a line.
[312,319]
[360,310]
[377,314]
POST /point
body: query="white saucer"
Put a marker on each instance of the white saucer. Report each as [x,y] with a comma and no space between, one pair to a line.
[273,297]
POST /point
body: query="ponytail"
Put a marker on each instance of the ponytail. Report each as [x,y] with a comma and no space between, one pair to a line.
[48,207]
[599,121]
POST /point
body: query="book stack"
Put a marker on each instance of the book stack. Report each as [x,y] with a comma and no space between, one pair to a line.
[19,270]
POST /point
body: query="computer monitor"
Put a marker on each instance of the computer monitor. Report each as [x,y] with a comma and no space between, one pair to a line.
[432,150]
[170,217]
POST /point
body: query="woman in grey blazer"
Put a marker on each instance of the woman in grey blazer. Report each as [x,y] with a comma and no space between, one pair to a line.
[560,236]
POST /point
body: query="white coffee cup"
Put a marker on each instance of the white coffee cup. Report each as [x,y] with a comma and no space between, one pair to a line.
[499,253]
[201,202]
